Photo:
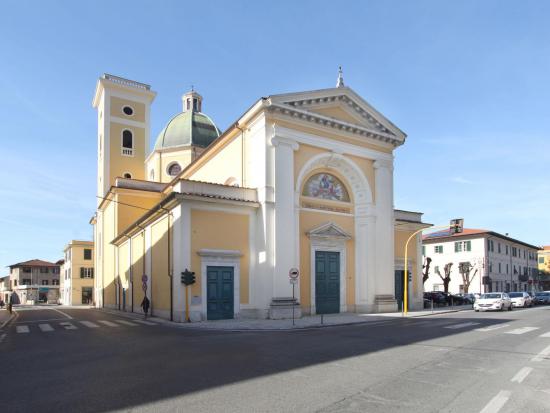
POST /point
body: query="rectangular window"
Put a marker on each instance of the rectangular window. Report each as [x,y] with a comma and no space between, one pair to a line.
[438,249]
[506,249]
[468,245]
[541,260]
[507,269]
[458,246]
[87,254]
[499,268]
[26,281]
[490,267]
[86,272]
[498,246]
[55,282]
[45,282]
[436,269]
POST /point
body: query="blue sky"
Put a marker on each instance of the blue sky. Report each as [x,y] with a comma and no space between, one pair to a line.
[467,81]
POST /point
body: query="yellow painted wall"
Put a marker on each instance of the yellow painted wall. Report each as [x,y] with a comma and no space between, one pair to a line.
[78,261]
[137,269]
[118,103]
[220,230]
[120,164]
[109,270]
[310,220]
[160,280]
[336,112]
[225,163]
[126,214]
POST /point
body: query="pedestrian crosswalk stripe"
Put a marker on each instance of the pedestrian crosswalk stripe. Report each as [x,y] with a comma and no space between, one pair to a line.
[147,323]
[89,324]
[491,328]
[68,326]
[462,325]
[522,330]
[22,329]
[127,323]
[108,323]
[45,327]
[545,335]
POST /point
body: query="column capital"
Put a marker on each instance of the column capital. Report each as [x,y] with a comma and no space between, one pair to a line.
[280,141]
[383,163]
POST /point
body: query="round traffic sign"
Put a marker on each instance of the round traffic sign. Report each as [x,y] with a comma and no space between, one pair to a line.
[294,273]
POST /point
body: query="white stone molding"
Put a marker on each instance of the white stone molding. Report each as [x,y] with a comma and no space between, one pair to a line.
[329,237]
[329,144]
[278,141]
[219,258]
[357,182]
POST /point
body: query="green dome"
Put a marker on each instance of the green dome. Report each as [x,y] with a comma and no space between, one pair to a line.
[188,128]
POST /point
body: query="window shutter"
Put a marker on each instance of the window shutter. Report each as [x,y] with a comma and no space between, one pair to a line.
[81,272]
[91,273]
[469,245]
[456,246]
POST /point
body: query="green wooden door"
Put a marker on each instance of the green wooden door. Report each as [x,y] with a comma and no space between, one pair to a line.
[219,292]
[327,282]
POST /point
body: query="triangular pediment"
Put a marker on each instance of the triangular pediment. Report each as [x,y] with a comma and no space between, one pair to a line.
[328,230]
[341,105]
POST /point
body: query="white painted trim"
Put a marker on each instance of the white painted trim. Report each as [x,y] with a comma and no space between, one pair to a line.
[330,144]
[128,122]
[331,245]
[128,106]
[221,260]
[167,169]
[209,253]
[323,211]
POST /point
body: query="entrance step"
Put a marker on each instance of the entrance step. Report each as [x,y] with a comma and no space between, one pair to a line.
[281,308]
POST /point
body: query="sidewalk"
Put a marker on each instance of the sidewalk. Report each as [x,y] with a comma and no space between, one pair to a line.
[306,322]
[5,317]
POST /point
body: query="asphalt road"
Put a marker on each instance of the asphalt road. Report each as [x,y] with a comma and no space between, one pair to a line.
[77,360]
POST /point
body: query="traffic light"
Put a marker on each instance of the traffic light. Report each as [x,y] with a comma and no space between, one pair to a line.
[456,226]
[188,277]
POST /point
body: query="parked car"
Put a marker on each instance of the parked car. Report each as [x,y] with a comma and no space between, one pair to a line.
[453,299]
[436,296]
[493,301]
[467,298]
[542,298]
[520,299]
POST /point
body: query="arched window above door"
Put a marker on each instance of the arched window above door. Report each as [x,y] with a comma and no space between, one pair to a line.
[326,186]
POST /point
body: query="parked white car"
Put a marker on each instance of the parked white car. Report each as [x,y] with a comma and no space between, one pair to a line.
[521,299]
[493,301]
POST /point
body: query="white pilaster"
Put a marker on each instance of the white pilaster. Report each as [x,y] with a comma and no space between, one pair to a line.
[365,263]
[285,222]
[385,281]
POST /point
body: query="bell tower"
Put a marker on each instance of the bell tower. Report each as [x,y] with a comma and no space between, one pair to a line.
[123,110]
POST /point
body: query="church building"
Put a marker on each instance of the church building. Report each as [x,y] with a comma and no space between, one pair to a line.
[300,181]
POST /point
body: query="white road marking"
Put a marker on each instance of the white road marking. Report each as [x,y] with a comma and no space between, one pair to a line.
[68,326]
[148,323]
[491,328]
[545,335]
[497,402]
[462,325]
[45,327]
[542,355]
[126,323]
[522,374]
[521,330]
[61,312]
[22,329]
[108,323]
[89,324]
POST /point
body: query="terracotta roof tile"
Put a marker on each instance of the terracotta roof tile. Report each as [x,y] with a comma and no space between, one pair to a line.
[34,263]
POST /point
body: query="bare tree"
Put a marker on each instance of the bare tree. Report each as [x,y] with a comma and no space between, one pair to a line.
[447,278]
[465,269]
[426,268]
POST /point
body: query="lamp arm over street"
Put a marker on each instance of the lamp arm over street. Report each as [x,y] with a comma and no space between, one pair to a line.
[453,225]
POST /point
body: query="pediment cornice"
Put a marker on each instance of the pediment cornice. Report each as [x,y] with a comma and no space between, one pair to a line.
[329,230]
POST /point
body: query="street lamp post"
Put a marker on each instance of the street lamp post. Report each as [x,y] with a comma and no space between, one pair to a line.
[455,225]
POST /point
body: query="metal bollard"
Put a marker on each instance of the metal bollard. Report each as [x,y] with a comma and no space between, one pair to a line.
[432,305]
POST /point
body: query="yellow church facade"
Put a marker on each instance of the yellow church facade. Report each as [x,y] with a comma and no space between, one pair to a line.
[299,181]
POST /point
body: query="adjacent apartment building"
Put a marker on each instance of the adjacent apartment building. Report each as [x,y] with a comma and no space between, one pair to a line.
[34,281]
[544,267]
[77,281]
[480,261]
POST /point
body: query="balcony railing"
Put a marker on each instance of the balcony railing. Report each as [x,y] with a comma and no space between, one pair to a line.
[127,151]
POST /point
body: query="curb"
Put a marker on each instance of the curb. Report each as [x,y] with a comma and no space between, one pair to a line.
[186,326]
[13,315]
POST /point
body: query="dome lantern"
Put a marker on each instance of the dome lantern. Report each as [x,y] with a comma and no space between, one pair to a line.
[192,101]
